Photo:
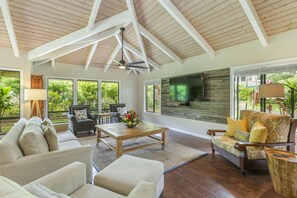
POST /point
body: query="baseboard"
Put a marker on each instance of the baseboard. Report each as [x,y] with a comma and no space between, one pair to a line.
[190,133]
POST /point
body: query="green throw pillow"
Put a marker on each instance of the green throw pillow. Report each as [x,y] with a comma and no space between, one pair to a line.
[242,136]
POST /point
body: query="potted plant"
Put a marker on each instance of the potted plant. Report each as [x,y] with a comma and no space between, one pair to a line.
[5,103]
[130,119]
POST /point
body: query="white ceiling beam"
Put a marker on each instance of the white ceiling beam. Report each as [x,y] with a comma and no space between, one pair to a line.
[40,62]
[112,57]
[79,35]
[72,48]
[9,27]
[254,19]
[93,15]
[188,27]
[135,72]
[128,72]
[139,70]
[90,56]
[53,62]
[160,45]
[134,19]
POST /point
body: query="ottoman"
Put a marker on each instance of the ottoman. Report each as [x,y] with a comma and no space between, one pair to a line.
[126,172]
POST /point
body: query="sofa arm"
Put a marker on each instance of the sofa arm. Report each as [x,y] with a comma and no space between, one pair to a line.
[143,189]
[241,146]
[213,132]
[32,167]
[64,180]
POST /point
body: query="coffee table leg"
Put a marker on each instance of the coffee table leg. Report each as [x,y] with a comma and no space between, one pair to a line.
[98,135]
[119,148]
[164,138]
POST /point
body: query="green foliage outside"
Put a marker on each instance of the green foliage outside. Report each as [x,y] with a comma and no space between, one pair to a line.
[5,103]
[150,100]
[178,92]
[110,94]
[88,94]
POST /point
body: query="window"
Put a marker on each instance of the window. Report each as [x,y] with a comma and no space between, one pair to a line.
[109,94]
[9,99]
[178,92]
[60,97]
[153,97]
[87,94]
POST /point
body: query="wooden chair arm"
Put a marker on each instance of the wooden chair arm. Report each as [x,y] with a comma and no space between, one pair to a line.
[212,132]
[241,146]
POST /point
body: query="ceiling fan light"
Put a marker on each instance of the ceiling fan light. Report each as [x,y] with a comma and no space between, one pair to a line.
[122,67]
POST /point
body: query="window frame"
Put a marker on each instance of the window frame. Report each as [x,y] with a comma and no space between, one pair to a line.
[154,83]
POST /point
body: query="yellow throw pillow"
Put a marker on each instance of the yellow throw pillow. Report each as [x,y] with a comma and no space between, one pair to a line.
[258,133]
[234,125]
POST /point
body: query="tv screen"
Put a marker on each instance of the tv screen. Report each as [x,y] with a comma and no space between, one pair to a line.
[187,88]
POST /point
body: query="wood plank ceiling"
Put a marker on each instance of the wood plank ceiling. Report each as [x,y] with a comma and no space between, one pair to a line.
[222,23]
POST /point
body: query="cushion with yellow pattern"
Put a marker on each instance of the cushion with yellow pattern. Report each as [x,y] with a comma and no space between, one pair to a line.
[258,133]
[234,125]
[242,136]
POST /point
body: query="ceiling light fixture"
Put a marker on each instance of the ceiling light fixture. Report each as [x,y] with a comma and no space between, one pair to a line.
[122,67]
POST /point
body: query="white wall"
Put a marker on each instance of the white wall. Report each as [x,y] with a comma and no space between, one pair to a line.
[128,83]
[281,46]
[9,61]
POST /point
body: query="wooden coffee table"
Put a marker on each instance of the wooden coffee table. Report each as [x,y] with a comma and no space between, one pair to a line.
[119,132]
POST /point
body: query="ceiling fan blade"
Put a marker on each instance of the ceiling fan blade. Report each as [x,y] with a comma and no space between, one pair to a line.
[137,66]
[136,62]
[118,62]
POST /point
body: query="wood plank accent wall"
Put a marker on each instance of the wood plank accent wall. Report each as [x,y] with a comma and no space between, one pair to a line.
[215,108]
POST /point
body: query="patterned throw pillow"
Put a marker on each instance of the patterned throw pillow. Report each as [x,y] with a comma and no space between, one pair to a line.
[122,110]
[234,125]
[258,133]
[242,136]
[81,114]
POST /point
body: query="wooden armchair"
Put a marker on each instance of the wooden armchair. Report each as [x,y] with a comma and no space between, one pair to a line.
[247,155]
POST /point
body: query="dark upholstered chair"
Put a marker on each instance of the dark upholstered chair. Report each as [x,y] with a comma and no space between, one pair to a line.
[115,116]
[83,124]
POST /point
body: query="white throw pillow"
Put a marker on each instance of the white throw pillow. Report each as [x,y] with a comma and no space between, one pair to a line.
[122,110]
[9,188]
[50,135]
[81,114]
[42,191]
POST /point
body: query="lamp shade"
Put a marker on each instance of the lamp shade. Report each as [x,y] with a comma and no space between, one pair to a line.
[274,90]
[35,94]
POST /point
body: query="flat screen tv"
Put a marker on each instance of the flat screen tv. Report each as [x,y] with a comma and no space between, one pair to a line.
[187,88]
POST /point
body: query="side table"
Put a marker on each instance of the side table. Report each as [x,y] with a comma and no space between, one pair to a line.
[283,171]
[101,116]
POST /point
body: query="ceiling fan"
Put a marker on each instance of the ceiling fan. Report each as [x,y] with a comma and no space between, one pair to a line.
[121,64]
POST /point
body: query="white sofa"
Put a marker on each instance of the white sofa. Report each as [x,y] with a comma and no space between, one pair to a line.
[24,169]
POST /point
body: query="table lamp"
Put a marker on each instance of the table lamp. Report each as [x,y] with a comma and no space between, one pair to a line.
[35,95]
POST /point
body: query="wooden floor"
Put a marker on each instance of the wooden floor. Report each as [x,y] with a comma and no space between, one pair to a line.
[213,176]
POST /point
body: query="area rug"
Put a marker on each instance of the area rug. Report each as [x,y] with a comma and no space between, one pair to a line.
[173,155]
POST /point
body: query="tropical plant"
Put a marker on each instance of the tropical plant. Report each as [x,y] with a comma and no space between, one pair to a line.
[290,83]
[88,94]
[5,102]
[245,94]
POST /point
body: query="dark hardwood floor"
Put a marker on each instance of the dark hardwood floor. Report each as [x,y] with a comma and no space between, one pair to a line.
[213,176]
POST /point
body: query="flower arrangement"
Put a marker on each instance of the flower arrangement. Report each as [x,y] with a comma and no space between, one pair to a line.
[130,119]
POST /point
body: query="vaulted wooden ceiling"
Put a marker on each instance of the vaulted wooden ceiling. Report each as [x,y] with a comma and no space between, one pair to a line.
[39,25]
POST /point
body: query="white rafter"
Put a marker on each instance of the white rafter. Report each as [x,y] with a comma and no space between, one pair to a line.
[9,27]
[93,15]
[41,62]
[79,35]
[91,54]
[53,62]
[135,23]
[128,72]
[160,45]
[111,58]
[72,48]
[253,17]
[188,27]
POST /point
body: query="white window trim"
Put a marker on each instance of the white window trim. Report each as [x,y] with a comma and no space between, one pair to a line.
[147,82]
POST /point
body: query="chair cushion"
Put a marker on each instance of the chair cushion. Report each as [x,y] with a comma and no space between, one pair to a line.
[85,122]
[10,150]
[9,188]
[227,143]
[50,135]
[242,136]
[42,191]
[125,173]
[258,133]
[81,114]
[89,190]
[32,140]
[234,125]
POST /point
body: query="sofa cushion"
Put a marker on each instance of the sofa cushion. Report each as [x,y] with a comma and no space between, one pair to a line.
[10,150]
[9,188]
[50,135]
[242,136]
[89,190]
[227,143]
[278,126]
[36,120]
[85,122]
[258,133]
[32,140]
[234,125]
[66,136]
[42,191]
[69,144]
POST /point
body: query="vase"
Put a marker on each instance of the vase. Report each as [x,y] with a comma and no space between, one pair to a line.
[131,126]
